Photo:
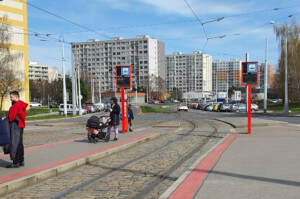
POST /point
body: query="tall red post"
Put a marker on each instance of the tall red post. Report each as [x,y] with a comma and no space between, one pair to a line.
[249,109]
[124,111]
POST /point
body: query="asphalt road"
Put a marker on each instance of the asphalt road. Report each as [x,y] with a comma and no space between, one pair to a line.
[191,114]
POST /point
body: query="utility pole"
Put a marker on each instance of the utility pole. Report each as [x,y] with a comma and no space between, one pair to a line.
[227,88]
[64,77]
[79,92]
[216,86]
[135,92]
[73,83]
[286,103]
[92,90]
[266,78]
[100,91]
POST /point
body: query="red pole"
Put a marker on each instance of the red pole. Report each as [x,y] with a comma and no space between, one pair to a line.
[122,99]
[249,109]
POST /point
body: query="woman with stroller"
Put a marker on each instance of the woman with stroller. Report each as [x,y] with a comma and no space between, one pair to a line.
[114,117]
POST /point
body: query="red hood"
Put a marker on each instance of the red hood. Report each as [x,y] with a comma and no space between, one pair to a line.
[22,104]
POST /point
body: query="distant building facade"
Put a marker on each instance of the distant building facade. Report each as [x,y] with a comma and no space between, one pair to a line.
[189,72]
[223,71]
[98,59]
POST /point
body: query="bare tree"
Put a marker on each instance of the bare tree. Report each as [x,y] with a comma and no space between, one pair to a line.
[10,79]
[293,59]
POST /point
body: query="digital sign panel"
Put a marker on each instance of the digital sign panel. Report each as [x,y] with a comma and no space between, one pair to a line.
[123,76]
[249,73]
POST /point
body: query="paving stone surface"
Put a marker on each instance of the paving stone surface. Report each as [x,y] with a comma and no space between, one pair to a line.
[131,180]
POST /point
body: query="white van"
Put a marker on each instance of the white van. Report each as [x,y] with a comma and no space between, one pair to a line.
[70,109]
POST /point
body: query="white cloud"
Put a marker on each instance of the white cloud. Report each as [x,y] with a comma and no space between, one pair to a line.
[200,8]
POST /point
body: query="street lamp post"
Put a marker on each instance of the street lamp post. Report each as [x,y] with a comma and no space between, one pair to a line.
[286,105]
[266,79]
[64,76]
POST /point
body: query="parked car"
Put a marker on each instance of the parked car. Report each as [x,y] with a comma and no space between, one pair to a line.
[274,100]
[225,107]
[209,107]
[151,102]
[70,109]
[238,108]
[35,104]
[87,108]
[175,101]
[216,107]
[254,107]
[182,107]
[168,101]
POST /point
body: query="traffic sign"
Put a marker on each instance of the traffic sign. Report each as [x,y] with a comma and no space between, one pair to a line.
[237,96]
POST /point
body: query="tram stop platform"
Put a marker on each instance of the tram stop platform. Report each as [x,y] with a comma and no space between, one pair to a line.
[261,165]
[46,161]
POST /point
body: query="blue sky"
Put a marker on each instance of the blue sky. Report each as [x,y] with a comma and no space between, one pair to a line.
[168,20]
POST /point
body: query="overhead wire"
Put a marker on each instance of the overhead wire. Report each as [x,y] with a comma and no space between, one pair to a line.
[191,9]
[64,19]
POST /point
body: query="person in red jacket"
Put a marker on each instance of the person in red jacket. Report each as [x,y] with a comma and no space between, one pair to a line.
[18,109]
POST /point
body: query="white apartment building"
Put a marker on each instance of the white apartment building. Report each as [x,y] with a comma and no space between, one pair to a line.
[38,72]
[99,59]
[189,72]
[223,71]
[42,72]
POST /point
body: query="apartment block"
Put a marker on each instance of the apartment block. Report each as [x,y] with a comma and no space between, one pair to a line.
[42,72]
[98,59]
[189,72]
[13,15]
[223,71]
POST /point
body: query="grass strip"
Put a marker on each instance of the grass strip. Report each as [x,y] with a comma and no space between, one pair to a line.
[47,117]
[156,109]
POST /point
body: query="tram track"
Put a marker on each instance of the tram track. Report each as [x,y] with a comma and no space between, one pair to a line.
[160,177]
[133,173]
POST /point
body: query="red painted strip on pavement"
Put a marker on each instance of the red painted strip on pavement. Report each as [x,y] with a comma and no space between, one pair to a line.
[190,185]
[69,159]
[48,145]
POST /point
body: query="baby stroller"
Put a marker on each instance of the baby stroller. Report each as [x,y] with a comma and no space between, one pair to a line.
[96,128]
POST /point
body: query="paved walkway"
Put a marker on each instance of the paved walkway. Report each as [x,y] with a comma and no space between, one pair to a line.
[264,164]
[49,160]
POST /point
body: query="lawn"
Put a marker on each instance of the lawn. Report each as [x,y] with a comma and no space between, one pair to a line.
[278,107]
[156,109]
[39,110]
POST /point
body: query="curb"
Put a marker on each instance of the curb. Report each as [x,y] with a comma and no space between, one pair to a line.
[179,181]
[46,120]
[25,181]
[253,125]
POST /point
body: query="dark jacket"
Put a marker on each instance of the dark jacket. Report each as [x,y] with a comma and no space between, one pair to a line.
[14,133]
[131,117]
[4,137]
[115,114]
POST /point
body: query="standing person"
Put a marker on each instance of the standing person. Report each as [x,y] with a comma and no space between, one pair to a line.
[114,117]
[17,112]
[131,117]
[50,108]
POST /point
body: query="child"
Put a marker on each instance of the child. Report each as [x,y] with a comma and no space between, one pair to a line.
[92,126]
[131,117]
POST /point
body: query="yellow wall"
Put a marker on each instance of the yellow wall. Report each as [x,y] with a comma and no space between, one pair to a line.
[16,10]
